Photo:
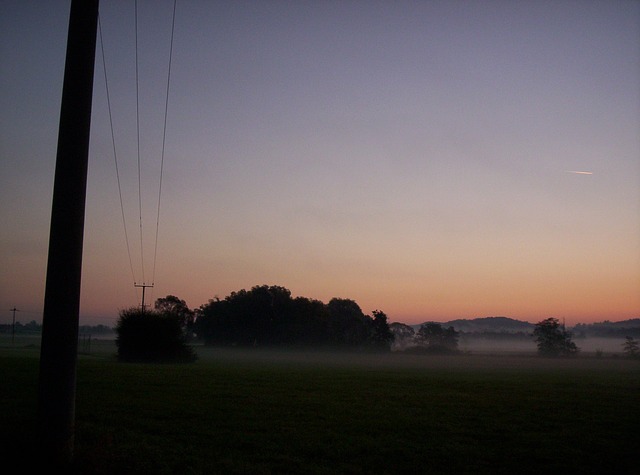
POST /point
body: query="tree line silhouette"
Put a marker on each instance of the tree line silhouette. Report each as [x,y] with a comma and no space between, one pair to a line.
[265,317]
[268,316]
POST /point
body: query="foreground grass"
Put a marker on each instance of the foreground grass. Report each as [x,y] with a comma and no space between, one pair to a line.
[258,413]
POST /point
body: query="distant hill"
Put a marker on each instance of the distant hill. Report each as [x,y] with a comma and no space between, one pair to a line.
[489,324]
[631,323]
[511,325]
[608,329]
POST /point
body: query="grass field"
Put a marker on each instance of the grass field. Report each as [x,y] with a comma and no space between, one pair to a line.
[280,412]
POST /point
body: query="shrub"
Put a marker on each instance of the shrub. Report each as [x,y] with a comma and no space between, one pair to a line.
[152,337]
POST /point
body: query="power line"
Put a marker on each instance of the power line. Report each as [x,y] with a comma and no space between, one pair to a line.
[115,155]
[144,285]
[164,136]
[138,133]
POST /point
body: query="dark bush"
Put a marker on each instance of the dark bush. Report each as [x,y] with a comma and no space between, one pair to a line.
[151,337]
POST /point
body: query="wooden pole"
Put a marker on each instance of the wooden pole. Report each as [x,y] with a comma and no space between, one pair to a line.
[144,287]
[59,347]
[13,326]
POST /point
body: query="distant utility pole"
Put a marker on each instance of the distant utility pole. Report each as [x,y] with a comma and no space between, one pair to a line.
[144,287]
[59,347]
[13,326]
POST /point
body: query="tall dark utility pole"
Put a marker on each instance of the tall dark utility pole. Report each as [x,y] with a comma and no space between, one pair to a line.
[13,326]
[58,353]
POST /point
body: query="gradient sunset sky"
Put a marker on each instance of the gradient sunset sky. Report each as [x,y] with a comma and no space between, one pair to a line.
[417,157]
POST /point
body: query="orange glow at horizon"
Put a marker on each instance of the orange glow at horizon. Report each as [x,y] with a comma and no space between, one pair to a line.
[401,156]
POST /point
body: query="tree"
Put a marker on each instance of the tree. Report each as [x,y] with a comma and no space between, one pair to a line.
[435,339]
[631,348]
[348,325]
[306,324]
[403,335]
[172,305]
[381,336]
[151,337]
[553,339]
[269,316]
[261,316]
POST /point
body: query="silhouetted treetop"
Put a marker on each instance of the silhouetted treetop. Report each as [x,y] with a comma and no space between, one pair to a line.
[269,316]
[172,305]
[553,339]
[433,338]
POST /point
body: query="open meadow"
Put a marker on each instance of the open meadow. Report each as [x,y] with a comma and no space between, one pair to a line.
[259,412]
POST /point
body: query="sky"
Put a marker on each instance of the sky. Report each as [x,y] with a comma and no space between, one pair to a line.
[417,157]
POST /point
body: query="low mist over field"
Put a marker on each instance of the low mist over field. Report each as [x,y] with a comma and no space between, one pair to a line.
[481,336]
[480,345]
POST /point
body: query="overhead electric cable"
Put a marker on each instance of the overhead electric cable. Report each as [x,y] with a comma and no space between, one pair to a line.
[115,155]
[142,285]
[138,132]
[164,135]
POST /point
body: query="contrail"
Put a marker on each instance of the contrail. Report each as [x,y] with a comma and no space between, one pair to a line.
[579,173]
